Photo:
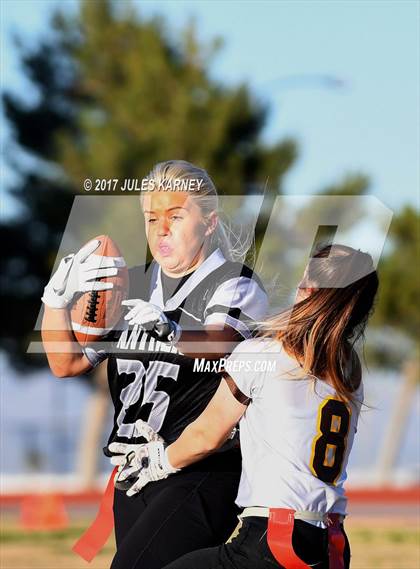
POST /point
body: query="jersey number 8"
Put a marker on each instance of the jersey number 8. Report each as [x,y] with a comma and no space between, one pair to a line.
[329,445]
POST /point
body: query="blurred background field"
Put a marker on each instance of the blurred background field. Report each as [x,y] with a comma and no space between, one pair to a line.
[377,543]
[296,99]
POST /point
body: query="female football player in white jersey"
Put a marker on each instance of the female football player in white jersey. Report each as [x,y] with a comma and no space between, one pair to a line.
[297,392]
[193,300]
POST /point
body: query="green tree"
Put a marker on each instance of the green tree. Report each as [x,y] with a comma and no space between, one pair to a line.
[393,328]
[398,308]
[116,93]
[282,260]
[398,304]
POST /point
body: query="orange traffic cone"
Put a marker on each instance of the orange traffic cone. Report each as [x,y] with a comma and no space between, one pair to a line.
[43,512]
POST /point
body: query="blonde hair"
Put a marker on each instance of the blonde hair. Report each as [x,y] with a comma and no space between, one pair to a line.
[233,247]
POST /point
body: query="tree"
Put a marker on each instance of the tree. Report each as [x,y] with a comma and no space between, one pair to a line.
[290,232]
[398,304]
[398,307]
[116,94]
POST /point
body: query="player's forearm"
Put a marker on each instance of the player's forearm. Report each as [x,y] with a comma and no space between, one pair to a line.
[194,444]
[208,343]
[64,354]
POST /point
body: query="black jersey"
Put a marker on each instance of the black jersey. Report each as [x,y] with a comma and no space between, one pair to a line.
[151,380]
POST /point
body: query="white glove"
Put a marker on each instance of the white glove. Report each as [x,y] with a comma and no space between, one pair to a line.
[79,273]
[121,450]
[153,319]
[149,462]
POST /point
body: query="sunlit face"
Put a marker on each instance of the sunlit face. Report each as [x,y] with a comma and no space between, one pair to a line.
[176,231]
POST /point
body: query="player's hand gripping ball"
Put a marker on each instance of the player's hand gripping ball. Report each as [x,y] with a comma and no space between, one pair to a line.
[93,282]
[96,312]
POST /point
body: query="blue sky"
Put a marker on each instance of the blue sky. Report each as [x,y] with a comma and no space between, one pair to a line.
[370,123]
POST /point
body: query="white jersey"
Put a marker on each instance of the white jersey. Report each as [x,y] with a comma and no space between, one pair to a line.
[296,435]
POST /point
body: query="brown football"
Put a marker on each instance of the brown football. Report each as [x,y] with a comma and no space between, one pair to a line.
[95,313]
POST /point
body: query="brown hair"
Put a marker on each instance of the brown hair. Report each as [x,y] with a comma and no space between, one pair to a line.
[320,331]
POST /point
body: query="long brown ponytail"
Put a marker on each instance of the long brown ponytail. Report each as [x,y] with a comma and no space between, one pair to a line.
[320,330]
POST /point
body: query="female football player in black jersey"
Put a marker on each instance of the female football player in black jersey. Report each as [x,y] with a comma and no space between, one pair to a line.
[192,301]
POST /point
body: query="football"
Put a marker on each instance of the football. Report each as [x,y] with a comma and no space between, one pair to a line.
[95,313]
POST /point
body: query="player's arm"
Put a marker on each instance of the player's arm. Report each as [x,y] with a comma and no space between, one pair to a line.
[75,274]
[212,428]
[212,342]
[234,305]
[152,461]
[64,354]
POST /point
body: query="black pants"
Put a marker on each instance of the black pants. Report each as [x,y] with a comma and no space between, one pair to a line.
[249,550]
[187,511]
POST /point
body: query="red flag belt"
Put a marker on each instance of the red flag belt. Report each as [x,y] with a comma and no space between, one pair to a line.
[97,534]
[279,537]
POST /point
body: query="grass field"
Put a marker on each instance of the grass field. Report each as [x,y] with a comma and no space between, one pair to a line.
[374,546]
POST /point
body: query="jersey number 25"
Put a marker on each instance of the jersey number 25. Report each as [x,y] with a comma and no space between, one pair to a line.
[156,399]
